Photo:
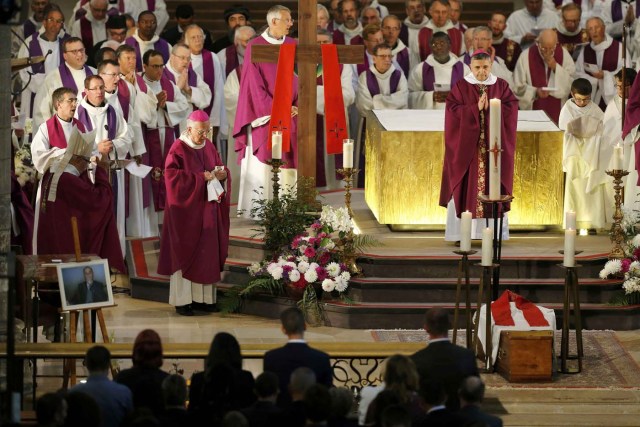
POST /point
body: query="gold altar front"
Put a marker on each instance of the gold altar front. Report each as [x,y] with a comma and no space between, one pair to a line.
[404,172]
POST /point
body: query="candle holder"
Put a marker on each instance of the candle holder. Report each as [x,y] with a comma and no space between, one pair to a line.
[463,269]
[276,164]
[485,289]
[616,233]
[347,177]
[571,291]
[497,234]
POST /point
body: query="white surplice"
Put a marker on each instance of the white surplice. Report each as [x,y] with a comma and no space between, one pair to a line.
[423,99]
[217,117]
[522,22]
[200,97]
[385,100]
[98,29]
[231,94]
[412,40]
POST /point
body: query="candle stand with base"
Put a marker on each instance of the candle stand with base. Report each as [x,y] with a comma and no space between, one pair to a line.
[497,208]
[349,251]
[276,164]
[571,291]
[485,290]
[463,270]
[617,234]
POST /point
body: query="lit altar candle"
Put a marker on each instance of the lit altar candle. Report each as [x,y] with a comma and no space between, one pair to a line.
[465,231]
[618,156]
[347,153]
[495,144]
[570,221]
[276,145]
[570,247]
[487,247]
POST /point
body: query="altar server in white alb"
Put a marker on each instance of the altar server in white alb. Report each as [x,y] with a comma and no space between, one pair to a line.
[599,61]
[191,85]
[71,73]
[612,135]
[382,86]
[431,80]
[112,139]
[543,76]
[585,158]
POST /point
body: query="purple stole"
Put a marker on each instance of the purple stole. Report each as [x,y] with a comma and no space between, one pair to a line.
[161,46]
[28,28]
[339,38]
[155,156]
[231,54]
[403,61]
[539,78]
[56,133]
[571,42]
[616,11]
[361,68]
[86,31]
[404,34]
[82,12]
[85,119]
[428,75]
[123,97]
[36,50]
[67,78]
[467,58]
[374,86]
[208,74]
[609,59]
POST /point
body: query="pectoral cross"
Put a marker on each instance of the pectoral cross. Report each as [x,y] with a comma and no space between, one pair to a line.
[308,55]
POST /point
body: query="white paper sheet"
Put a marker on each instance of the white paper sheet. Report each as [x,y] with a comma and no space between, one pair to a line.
[214,190]
[135,169]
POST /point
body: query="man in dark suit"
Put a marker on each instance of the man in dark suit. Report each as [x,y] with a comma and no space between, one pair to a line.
[89,291]
[433,396]
[296,353]
[442,360]
[264,412]
[471,395]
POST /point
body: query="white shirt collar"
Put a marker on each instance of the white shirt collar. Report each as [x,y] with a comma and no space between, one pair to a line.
[272,40]
[185,138]
[154,39]
[603,45]
[382,76]
[431,60]
[490,80]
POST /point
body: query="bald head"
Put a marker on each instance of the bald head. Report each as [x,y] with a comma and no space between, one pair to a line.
[548,38]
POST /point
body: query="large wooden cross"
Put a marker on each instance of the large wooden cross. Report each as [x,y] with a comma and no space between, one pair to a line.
[308,55]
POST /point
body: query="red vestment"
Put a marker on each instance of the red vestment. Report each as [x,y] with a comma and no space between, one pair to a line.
[461,176]
[195,233]
[92,204]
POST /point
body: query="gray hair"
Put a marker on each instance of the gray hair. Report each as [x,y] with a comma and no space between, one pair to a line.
[275,11]
[369,8]
[482,28]
[592,18]
[179,45]
[242,29]
[323,9]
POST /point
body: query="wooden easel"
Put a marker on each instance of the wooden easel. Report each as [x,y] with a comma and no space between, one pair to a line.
[69,370]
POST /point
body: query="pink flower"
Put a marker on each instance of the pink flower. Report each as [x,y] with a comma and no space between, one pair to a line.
[636,254]
[324,258]
[322,273]
[625,265]
[313,241]
[322,235]
[287,268]
[310,252]
[316,226]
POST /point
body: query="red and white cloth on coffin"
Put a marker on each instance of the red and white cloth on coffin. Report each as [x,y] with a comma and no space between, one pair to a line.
[512,312]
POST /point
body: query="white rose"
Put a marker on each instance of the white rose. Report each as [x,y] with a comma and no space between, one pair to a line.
[328,285]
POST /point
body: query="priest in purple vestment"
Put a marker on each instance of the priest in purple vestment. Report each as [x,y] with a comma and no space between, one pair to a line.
[195,234]
[251,129]
[465,171]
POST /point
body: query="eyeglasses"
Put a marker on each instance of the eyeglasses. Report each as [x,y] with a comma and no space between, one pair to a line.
[288,20]
[76,51]
[584,100]
[385,56]
[391,28]
[110,74]
[201,132]
[57,21]
[184,58]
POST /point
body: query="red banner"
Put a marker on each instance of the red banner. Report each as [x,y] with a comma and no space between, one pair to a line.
[282,97]
[335,120]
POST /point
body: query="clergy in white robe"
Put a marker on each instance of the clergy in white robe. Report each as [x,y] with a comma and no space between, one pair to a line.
[232,56]
[439,22]
[615,13]
[524,25]
[71,73]
[145,38]
[372,37]
[482,40]
[191,85]
[571,35]
[48,39]
[112,139]
[391,26]
[325,165]
[350,31]
[30,26]
[612,136]
[599,61]
[431,80]
[543,76]
[231,94]
[416,20]
[505,48]
[382,10]
[585,158]
[91,28]
[389,91]
[159,134]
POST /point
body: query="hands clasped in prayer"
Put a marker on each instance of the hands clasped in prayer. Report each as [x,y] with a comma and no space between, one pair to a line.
[483,102]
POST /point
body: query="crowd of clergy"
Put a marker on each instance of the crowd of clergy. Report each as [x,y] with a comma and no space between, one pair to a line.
[120,87]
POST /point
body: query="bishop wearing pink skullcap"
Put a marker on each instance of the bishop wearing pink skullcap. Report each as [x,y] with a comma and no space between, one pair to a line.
[195,234]
[465,172]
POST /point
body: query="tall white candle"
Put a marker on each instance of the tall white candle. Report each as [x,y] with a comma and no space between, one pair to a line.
[347,153]
[276,145]
[618,157]
[465,231]
[495,143]
[570,247]
[570,221]
[487,247]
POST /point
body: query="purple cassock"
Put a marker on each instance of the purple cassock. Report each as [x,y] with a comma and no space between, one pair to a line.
[464,171]
[195,233]
[24,217]
[255,101]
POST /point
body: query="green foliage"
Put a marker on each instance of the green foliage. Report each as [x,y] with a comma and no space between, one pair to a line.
[232,300]
[622,298]
[311,307]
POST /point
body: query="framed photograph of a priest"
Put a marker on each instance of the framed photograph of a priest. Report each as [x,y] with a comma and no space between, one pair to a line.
[85,285]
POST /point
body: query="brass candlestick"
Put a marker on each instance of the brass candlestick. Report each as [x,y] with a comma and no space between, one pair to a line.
[617,235]
[347,177]
[276,164]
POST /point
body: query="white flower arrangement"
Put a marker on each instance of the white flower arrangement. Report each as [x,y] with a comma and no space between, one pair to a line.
[336,218]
